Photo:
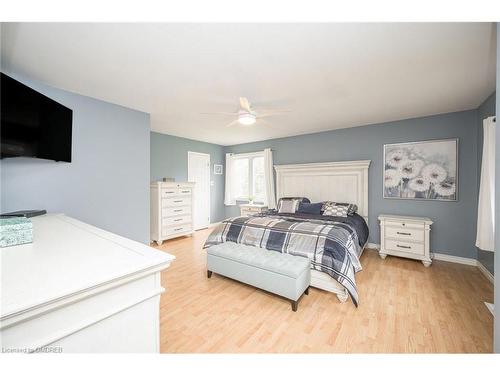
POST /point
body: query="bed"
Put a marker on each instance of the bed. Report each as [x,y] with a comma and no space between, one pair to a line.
[332,181]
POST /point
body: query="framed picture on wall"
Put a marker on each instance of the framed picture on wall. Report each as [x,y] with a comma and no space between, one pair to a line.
[217,168]
[425,170]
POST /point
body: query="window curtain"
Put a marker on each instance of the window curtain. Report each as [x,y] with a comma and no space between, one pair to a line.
[269,179]
[486,207]
[229,199]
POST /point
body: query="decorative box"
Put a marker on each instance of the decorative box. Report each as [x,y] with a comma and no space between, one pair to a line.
[15,231]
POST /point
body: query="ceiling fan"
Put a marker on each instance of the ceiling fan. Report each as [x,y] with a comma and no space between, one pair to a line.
[246,115]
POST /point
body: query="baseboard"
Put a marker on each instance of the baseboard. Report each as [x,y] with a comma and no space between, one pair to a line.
[485,272]
[454,259]
[451,259]
[490,307]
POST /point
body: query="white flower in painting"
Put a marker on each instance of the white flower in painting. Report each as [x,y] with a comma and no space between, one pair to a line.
[445,189]
[434,173]
[396,158]
[411,168]
[392,178]
[419,184]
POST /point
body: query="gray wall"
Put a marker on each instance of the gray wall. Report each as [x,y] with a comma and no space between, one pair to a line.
[169,158]
[107,182]
[485,110]
[496,325]
[454,228]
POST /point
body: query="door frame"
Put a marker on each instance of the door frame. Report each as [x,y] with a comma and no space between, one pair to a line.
[209,186]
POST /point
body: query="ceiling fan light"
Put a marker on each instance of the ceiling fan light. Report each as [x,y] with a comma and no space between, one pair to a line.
[246,119]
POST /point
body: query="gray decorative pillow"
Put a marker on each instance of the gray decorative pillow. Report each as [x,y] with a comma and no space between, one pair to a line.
[290,205]
[352,209]
[339,209]
[332,209]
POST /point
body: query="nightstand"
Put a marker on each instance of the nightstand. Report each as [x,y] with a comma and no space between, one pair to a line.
[405,236]
[251,209]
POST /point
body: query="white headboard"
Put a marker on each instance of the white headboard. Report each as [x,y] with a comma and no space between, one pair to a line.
[342,181]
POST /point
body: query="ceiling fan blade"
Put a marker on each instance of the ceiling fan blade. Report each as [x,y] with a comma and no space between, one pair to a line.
[245,104]
[263,122]
[272,113]
[219,113]
[232,123]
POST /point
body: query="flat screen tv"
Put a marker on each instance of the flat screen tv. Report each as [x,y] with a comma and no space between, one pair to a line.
[31,124]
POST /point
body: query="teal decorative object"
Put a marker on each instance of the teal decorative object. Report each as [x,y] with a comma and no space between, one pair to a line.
[15,231]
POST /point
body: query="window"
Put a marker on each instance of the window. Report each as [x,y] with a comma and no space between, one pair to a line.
[248,177]
[241,186]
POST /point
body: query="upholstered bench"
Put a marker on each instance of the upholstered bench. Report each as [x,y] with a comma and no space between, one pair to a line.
[283,274]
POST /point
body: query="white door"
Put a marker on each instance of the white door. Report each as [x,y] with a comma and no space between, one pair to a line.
[199,173]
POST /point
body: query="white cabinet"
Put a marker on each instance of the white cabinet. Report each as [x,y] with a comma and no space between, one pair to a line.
[252,209]
[78,288]
[405,236]
[171,210]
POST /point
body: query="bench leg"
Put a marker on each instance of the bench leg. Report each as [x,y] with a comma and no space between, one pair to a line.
[306,291]
[209,274]
[294,305]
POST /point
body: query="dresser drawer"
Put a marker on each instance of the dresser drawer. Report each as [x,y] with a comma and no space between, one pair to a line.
[167,231]
[177,211]
[176,220]
[169,192]
[184,191]
[405,233]
[176,201]
[405,247]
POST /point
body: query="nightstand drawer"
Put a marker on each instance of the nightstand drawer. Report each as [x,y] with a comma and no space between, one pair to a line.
[405,233]
[249,210]
[404,225]
[247,213]
[405,247]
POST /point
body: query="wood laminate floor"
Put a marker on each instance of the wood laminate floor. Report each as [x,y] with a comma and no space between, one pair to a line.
[404,308]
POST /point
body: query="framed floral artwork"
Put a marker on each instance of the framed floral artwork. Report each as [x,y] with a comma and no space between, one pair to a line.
[426,170]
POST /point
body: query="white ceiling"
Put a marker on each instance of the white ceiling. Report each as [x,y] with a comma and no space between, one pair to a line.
[330,75]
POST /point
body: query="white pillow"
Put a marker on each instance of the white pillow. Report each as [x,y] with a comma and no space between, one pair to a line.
[288,206]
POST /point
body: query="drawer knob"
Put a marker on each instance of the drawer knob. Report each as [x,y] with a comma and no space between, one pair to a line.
[404,247]
[178,220]
[177,210]
[404,233]
[177,201]
[403,224]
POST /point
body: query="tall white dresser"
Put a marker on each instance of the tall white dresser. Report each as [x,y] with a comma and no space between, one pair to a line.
[171,210]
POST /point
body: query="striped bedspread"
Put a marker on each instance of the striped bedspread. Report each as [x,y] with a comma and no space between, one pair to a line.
[332,247]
